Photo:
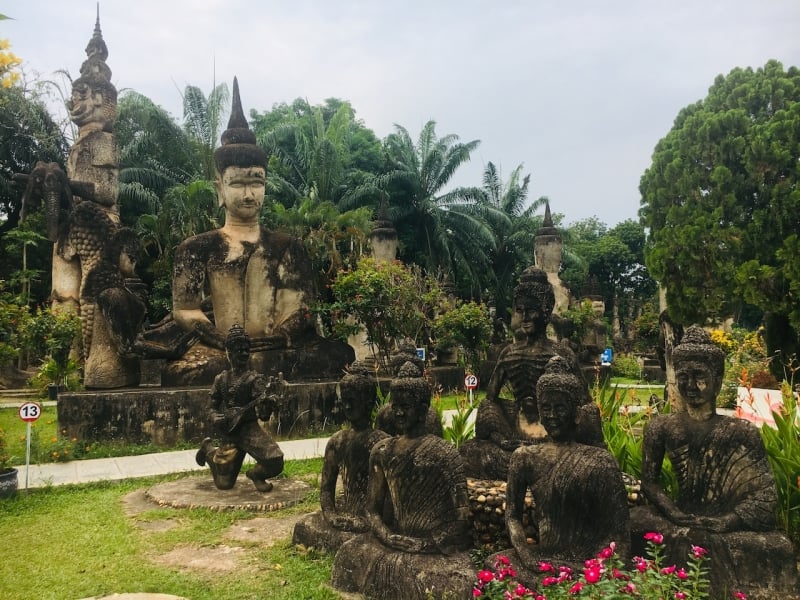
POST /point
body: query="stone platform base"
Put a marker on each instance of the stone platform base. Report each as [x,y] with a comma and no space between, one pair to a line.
[199,492]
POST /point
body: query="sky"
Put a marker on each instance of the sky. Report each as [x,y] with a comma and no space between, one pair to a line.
[577,91]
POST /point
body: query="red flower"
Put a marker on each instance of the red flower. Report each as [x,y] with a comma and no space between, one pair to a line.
[740,595]
[681,574]
[680,595]
[607,552]
[521,590]
[668,570]
[485,576]
[547,581]
[576,589]
[502,560]
[654,537]
[698,552]
[592,574]
[641,564]
[546,567]
[476,593]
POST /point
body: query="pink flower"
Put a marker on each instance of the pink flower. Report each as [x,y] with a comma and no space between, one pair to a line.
[681,574]
[668,570]
[592,574]
[740,595]
[521,590]
[607,552]
[617,574]
[576,589]
[485,576]
[546,567]
[698,552]
[641,564]
[630,588]
[680,595]
[547,581]
[502,560]
[476,593]
[654,537]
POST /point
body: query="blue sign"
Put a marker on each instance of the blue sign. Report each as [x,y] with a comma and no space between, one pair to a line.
[607,356]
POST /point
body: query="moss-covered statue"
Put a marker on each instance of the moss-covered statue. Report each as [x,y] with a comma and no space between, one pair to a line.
[417,511]
[579,498]
[343,514]
[239,398]
[258,278]
[503,425]
[726,498]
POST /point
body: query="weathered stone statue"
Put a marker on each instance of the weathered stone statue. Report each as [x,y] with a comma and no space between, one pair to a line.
[119,309]
[239,398]
[256,277]
[502,425]
[346,457]
[579,498]
[726,491]
[384,420]
[417,511]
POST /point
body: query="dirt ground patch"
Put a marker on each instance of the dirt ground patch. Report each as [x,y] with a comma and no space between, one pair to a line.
[218,559]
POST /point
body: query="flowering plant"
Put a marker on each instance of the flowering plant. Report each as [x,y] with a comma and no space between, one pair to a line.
[605,577]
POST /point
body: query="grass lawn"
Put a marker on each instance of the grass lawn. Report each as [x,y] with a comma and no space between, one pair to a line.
[77,541]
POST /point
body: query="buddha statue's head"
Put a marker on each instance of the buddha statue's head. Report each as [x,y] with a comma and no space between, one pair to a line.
[534,300]
[411,398]
[699,367]
[358,390]
[559,392]
[241,167]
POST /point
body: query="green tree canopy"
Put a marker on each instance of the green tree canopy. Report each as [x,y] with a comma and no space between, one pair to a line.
[721,201]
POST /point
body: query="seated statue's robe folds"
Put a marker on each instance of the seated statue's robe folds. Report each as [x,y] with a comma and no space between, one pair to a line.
[426,499]
[724,470]
[579,504]
[267,288]
[346,457]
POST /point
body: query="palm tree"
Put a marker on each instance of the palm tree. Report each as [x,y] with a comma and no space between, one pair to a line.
[513,226]
[155,155]
[444,232]
[203,122]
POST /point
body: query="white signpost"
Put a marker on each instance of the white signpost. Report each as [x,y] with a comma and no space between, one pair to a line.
[29,412]
[471,383]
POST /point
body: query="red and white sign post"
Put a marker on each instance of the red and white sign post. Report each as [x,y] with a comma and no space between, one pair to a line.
[29,412]
[471,383]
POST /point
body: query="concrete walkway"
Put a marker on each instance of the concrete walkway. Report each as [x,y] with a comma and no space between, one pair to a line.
[127,467]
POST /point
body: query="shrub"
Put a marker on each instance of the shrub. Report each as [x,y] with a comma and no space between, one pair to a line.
[626,365]
[467,325]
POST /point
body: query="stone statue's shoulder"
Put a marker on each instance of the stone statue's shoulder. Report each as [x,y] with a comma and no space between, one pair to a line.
[202,242]
[279,242]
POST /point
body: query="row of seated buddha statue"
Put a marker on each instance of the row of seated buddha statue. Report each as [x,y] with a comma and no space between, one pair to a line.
[395,508]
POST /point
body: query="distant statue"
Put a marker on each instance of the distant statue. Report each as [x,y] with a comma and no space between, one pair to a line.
[239,398]
[579,498]
[384,419]
[726,499]
[259,278]
[346,458]
[503,425]
[119,308]
[417,510]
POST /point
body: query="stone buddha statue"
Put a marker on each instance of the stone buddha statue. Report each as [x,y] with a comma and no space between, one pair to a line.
[253,276]
[502,425]
[417,510]
[726,498]
[343,514]
[579,498]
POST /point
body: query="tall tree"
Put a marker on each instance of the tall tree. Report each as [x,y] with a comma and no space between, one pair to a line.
[721,201]
[513,224]
[204,120]
[443,231]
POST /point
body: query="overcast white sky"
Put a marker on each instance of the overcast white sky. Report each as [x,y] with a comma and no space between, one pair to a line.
[578,91]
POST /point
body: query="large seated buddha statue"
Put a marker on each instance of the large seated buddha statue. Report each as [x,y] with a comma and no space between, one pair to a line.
[726,500]
[247,274]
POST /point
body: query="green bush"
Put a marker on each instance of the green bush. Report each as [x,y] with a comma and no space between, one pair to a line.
[467,325]
[627,366]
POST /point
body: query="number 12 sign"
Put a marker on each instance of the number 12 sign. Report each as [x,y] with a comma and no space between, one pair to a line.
[30,411]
